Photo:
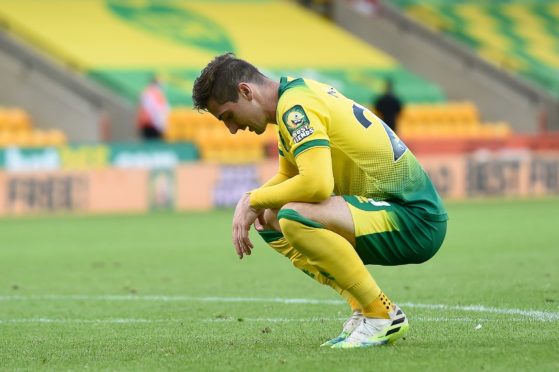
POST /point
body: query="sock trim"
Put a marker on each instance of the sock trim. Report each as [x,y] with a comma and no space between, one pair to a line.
[270,236]
[290,214]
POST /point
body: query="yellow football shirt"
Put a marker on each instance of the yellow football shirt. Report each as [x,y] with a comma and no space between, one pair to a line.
[368,159]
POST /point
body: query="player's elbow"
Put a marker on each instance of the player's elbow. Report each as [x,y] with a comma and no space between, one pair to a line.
[321,189]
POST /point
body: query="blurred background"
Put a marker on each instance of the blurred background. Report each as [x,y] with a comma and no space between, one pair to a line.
[95,95]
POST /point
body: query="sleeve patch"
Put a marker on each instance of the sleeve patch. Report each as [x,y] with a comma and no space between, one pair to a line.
[297,123]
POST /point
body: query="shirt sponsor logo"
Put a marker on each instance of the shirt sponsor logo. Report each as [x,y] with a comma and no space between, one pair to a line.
[295,118]
[297,123]
[301,133]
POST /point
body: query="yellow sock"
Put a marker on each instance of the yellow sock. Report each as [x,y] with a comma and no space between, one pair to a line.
[331,254]
[354,304]
[379,308]
[279,243]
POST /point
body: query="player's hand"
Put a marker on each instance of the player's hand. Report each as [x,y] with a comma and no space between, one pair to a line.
[260,221]
[243,218]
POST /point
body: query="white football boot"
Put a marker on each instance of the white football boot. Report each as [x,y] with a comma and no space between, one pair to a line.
[375,331]
[349,325]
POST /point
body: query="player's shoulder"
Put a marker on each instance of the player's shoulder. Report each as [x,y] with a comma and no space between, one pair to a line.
[298,93]
[290,85]
[293,91]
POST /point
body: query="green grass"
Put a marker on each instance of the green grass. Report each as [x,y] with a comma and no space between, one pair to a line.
[133,293]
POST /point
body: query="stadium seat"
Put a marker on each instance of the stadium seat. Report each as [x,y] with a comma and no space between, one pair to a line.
[458,120]
[213,139]
[16,129]
[518,35]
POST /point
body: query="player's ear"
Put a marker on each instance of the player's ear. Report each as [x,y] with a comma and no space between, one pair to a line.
[245,91]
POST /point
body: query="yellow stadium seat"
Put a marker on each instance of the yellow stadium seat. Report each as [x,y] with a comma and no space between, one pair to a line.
[436,114]
[188,131]
[37,138]
[55,137]
[269,136]
[420,114]
[468,112]
[4,125]
[421,130]
[22,139]
[446,130]
[185,123]
[173,134]
[17,119]
[405,132]
[502,130]
[487,131]
[6,138]
[178,116]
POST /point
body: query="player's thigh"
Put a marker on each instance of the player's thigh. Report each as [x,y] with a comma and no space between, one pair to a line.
[388,233]
[269,220]
[333,214]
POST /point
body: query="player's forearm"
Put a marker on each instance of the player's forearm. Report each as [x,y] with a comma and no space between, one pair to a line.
[313,184]
[286,170]
[276,179]
[294,189]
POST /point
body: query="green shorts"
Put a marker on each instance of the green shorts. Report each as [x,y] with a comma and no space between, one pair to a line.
[388,233]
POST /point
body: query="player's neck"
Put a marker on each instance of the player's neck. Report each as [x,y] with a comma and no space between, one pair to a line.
[270,98]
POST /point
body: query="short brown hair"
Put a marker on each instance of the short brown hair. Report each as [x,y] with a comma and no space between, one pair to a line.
[220,78]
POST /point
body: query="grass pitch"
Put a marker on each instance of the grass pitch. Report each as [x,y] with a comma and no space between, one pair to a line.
[167,292]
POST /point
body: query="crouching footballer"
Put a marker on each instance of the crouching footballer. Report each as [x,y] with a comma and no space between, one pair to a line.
[348,192]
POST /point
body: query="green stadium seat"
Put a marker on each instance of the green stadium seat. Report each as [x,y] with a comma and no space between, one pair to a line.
[521,36]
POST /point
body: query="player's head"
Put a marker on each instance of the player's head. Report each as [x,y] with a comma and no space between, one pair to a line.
[226,88]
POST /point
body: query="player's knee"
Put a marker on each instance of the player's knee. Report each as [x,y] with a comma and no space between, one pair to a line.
[299,211]
[271,220]
[298,207]
[291,221]
[287,226]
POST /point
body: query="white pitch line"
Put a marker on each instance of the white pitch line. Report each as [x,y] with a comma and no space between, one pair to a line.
[43,320]
[535,314]
[305,301]
[321,320]
[86,321]
[530,313]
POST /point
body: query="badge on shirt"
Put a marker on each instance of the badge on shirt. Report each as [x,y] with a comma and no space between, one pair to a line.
[297,123]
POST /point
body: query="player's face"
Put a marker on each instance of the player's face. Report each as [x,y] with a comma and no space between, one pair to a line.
[241,115]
